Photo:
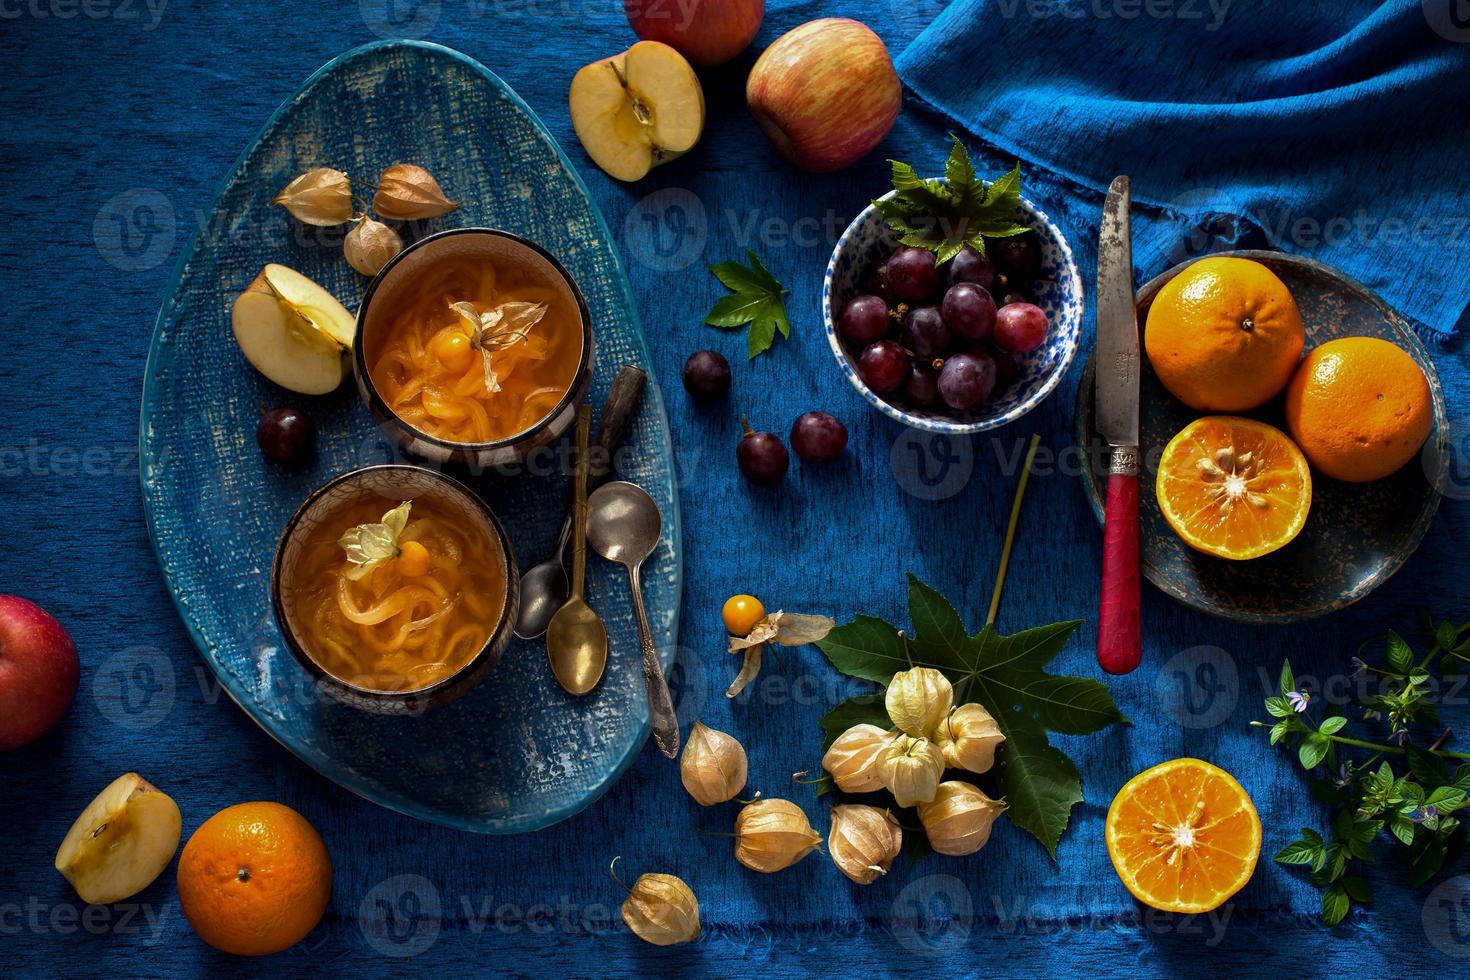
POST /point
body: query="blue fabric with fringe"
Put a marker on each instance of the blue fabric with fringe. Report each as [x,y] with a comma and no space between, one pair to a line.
[112,100]
[1334,128]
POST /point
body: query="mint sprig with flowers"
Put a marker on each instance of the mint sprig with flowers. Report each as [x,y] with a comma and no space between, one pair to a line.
[944,214]
[1397,787]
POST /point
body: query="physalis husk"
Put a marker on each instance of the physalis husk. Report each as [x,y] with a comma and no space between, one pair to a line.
[787,629]
[369,545]
[497,329]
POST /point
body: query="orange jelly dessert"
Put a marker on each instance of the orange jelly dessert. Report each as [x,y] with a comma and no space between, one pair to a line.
[395,601]
[478,350]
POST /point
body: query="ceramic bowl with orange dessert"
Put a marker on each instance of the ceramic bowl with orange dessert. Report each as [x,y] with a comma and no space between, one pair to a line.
[473,347]
[396,588]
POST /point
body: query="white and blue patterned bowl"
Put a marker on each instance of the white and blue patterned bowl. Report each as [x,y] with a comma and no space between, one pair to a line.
[1058,291]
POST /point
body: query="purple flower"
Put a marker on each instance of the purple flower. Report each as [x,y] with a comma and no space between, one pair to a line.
[1358,667]
[1344,777]
[1424,815]
[1298,700]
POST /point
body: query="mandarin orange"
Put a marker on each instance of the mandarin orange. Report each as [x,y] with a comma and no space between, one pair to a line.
[1224,335]
[1359,407]
[254,879]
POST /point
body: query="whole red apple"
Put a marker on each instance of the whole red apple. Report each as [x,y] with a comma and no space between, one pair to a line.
[38,671]
[707,32]
[825,93]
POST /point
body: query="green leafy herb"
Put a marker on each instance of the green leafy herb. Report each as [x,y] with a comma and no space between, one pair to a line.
[758,298]
[1367,795]
[944,214]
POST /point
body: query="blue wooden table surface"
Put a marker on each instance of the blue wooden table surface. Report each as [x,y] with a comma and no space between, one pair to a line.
[120,119]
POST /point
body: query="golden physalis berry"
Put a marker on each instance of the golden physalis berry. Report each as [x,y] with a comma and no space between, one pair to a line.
[742,613]
[413,559]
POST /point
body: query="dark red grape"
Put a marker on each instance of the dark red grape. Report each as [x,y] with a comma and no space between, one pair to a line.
[1018,257]
[875,283]
[970,266]
[913,274]
[286,436]
[883,366]
[924,333]
[762,457]
[1006,368]
[818,437]
[922,387]
[707,375]
[966,380]
[969,310]
[864,320]
[1020,327]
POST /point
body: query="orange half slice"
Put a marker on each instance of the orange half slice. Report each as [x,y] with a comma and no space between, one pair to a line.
[1183,836]
[1234,487]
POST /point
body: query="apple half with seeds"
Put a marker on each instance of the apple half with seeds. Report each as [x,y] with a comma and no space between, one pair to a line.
[293,331]
[121,842]
[637,109]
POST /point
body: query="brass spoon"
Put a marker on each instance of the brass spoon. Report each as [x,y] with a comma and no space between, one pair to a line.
[576,640]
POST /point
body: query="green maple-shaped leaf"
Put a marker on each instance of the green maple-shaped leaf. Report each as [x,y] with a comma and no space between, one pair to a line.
[758,298]
[1005,674]
[944,214]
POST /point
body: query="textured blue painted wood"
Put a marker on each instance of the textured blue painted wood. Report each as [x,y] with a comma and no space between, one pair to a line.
[100,108]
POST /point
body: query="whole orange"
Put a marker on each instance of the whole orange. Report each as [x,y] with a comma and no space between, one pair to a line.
[1359,408]
[1224,335]
[254,879]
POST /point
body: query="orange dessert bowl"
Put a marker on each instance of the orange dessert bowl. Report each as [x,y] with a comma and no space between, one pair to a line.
[473,347]
[395,587]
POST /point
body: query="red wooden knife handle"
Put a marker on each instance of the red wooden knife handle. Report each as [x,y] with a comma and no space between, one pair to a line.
[1119,644]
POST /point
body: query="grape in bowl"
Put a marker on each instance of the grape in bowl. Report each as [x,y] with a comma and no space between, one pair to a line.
[1036,270]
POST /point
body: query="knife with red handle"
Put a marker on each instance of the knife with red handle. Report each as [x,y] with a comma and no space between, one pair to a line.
[1119,643]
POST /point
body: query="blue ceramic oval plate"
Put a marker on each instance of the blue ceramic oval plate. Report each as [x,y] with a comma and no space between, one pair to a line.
[1357,534]
[516,753]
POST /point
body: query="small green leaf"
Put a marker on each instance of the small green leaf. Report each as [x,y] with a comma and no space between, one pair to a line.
[1446,636]
[1445,799]
[1427,767]
[1335,905]
[1462,778]
[1402,828]
[1332,725]
[1278,707]
[1357,889]
[1288,680]
[1313,750]
[1279,730]
[1400,657]
[1297,852]
[758,298]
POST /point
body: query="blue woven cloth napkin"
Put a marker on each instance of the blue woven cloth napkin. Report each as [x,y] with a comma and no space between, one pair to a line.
[1332,128]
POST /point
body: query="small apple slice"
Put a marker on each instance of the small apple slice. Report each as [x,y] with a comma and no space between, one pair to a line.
[121,842]
[638,109]
[313,303]
[297,351]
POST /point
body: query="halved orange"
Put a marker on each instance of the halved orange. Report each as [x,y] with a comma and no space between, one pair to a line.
[1234,487]
[1183,836]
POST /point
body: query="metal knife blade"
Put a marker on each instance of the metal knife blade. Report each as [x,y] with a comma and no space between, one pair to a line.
[1117,321]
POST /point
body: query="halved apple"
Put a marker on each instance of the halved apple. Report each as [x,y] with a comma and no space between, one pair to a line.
[121,842]
[637,109]
[293,331]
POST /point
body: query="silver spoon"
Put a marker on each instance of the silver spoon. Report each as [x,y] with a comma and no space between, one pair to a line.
[623,525]
[544,586]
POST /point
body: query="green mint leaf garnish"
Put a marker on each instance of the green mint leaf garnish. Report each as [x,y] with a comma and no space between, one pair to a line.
[944,214]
